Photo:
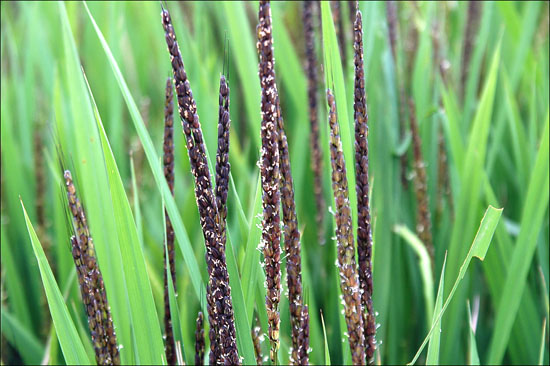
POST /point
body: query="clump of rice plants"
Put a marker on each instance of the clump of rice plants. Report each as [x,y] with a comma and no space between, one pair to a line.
[220,309]
[219,243]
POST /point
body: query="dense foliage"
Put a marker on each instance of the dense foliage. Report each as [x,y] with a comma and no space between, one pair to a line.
[458,120]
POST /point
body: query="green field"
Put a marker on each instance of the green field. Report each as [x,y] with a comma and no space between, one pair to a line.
[83,88]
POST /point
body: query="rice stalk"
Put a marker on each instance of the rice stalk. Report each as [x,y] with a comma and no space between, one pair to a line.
[441,63]
[317,4]
[391,18]
[199,340]
[472,25]
[136,148]
[299,325]
[168,165]
[411,46]
[316,152]
[91,284]
[443,181]
[271,231]
[364,230]
[220,309]
[349,280]
[423,221]
[338,19]
[40,181]
[393,30]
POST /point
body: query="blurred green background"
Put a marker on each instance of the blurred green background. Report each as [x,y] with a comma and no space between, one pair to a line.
[496,143]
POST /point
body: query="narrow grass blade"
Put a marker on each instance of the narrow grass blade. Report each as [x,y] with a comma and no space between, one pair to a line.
[451,124]
[433,346]
[71,345]
[544,291]
[475,69]
[478,249]
[252,254]
[473,356]
[243,222]
[327,352]
[137,210]
[242,324]
[79,138]
[517,130]
[467,208]
[241,39]
[522,344]
[524,37]
[425,266]
[542,342]
[534,209]
[293,86]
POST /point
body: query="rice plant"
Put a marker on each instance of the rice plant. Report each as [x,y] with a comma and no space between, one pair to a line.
[325,208]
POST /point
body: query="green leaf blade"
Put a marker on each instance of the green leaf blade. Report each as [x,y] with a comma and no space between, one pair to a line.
[71,345]
[534,209]
[479,246]
[435,339]
[143,313]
